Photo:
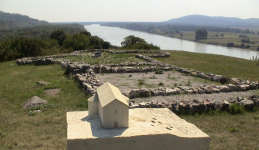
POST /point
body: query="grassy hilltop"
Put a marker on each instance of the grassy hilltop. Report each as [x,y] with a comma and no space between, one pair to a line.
[20,129]
[21,36]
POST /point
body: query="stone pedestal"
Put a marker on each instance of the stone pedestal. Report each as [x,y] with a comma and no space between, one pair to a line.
[149,128]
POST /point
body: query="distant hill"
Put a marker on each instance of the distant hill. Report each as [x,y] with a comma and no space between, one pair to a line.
[200,20]
[10,21]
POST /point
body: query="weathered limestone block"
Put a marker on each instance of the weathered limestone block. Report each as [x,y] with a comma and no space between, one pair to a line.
[224,89]
[34,101]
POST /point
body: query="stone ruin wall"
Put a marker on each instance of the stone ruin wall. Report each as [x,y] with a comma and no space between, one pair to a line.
[85,75]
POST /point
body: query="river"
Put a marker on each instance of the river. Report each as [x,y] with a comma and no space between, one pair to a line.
[115,36]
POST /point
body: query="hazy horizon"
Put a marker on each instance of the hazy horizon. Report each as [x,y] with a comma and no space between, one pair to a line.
[128,11]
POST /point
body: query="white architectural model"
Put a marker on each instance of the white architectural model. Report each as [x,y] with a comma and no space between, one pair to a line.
[111,106]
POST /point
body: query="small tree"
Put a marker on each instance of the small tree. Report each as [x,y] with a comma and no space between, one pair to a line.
[86,33]
[181,34]
[201,34]
[106,45]
[230,44]
[131,40]
[58,35]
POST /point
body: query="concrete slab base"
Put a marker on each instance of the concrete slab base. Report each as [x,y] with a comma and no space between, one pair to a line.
[149,128]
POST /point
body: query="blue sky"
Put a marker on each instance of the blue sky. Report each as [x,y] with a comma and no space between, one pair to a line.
[128,10]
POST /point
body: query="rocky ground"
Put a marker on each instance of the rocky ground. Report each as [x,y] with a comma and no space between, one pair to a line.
[200,97]
[128,81]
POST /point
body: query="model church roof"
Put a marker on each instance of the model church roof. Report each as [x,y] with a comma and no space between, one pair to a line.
[108,93]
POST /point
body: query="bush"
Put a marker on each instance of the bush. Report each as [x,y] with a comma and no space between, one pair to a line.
[224,80]
[242,36]
[159,72]
[130,75]
[236,109]
[77,42]
[230,44]
[141,82]
[24,47]
[189,83]
[243,40]
[233,129]
[161,84]
[153,77]
[132,42]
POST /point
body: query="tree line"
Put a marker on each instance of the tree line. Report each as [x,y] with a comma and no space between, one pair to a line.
[42,42]
[40,31]
[14,20]
[171,29]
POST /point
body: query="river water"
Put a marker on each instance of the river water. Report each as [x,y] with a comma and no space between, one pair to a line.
[115,36]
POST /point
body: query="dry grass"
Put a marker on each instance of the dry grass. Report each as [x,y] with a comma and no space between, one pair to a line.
[228,131]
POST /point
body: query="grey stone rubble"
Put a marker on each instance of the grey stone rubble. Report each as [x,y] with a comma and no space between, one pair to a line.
[45,60]
[202,89]
[199,106]
[86,77]
[43,83]
[34,101]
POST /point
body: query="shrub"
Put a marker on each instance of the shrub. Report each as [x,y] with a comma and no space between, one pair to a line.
[161,84]
[141,82]
[236,109]
[242,36]
[224,80]
[153,77]
[130,75]
[232,129]
[159,72]
[189,83]
[243,40]
[230,44]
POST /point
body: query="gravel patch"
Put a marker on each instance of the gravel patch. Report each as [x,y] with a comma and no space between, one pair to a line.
[169,79]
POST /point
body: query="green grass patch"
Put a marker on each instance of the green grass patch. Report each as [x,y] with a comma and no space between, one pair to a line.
[45,130]
[228,131]
[223,65]
[106,58]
